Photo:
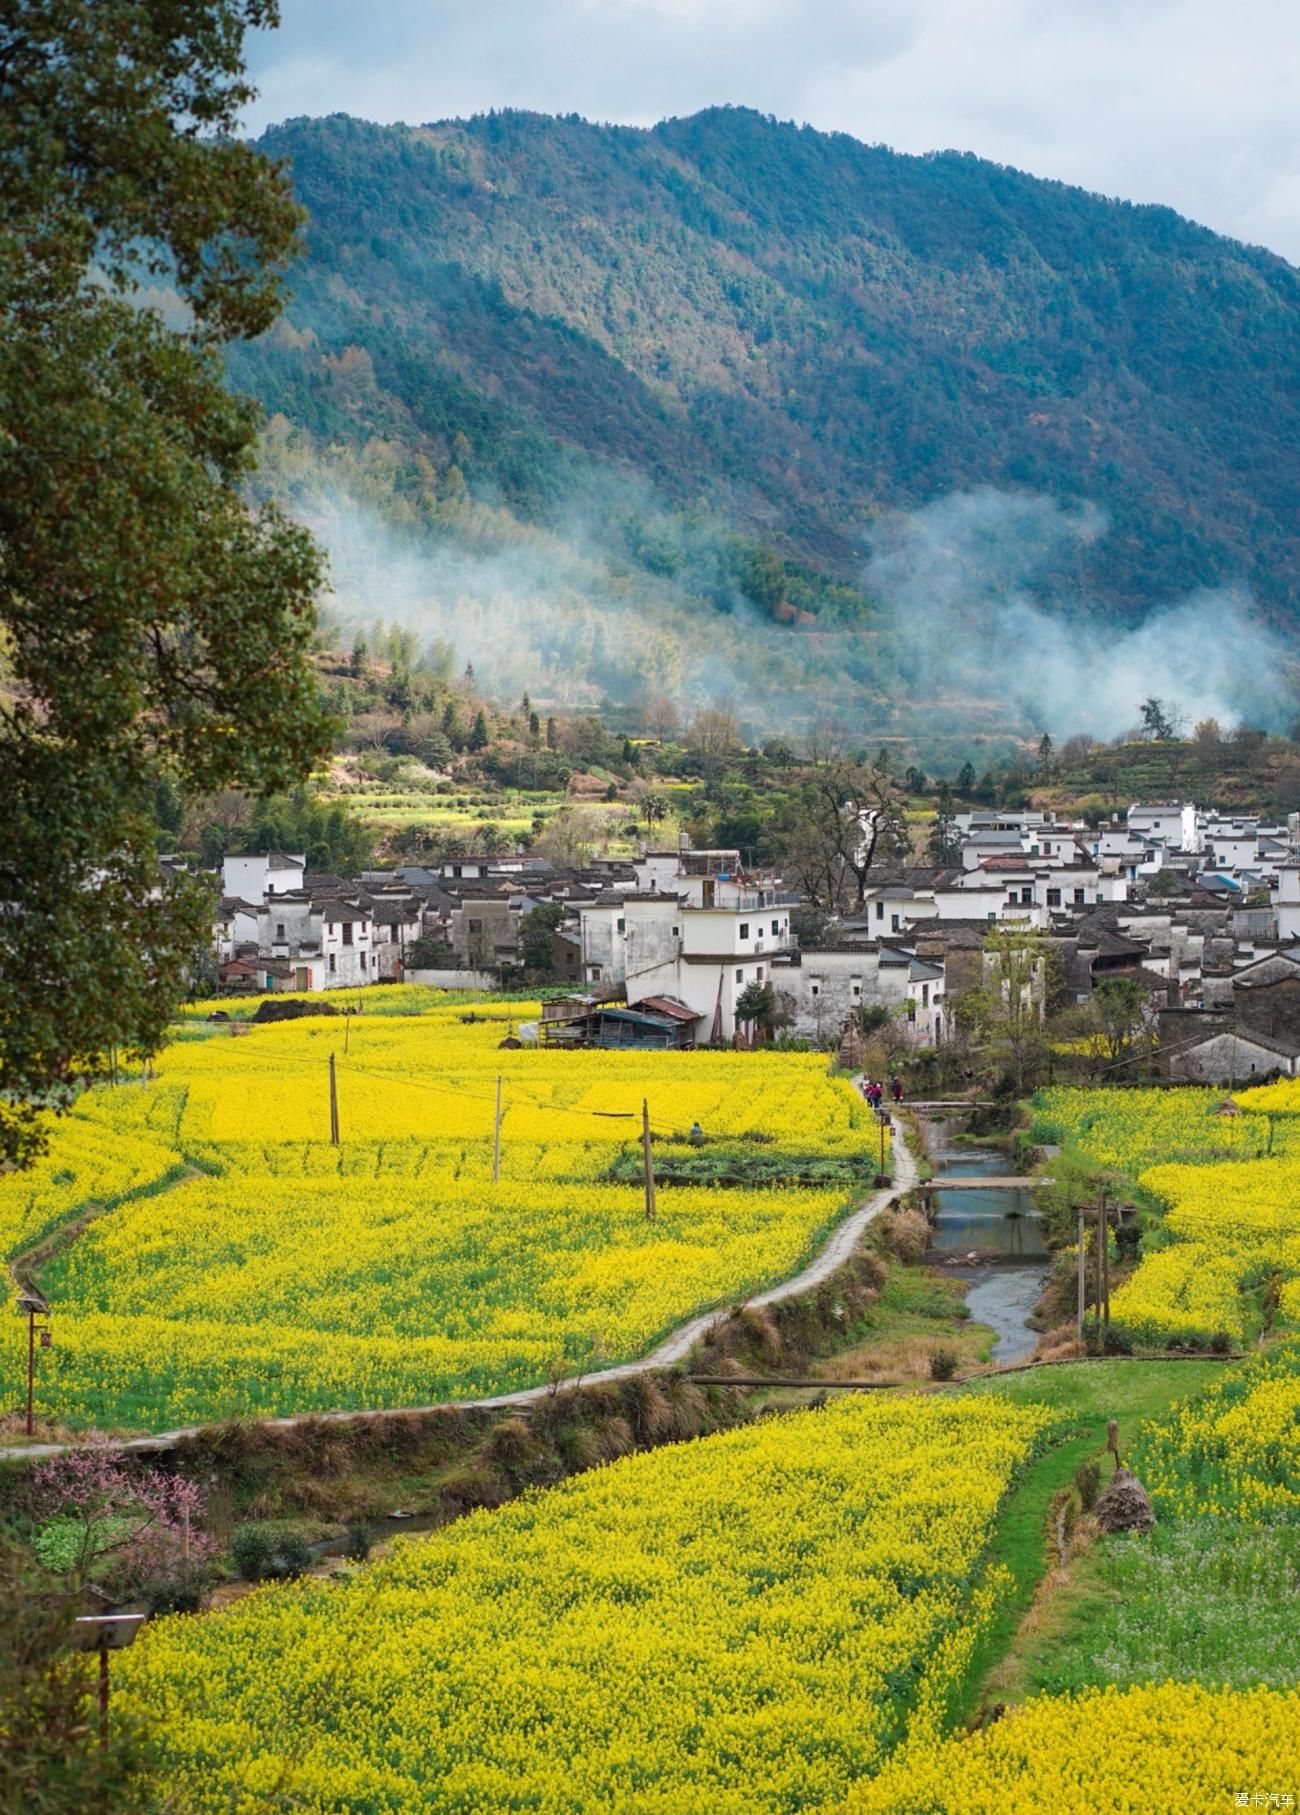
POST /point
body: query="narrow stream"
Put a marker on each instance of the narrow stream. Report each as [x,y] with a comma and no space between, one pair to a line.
[999,1228]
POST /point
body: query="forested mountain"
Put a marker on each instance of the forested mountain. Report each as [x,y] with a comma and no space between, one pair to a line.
[716,358]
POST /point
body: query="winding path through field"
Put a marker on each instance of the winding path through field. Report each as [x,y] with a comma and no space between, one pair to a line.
[837,1248]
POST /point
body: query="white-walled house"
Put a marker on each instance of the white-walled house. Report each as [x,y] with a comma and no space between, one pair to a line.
[1072,886]
[1286,898]
[620,935]
[705,957]
[1174,823]
[236,926]
[891,907]
[982,843]
[827,984]
[397,924]
[338,933]
[702,878]
[347,945]
[1231,844]
[263,873]
[1134,856]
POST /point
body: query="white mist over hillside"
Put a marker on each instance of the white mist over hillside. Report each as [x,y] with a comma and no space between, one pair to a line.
[959,579]
[963,627]
[571,620]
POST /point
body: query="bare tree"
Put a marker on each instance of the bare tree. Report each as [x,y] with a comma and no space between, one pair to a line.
[846,816]
[659,717]
[714,736]
[374,730]
[570,837]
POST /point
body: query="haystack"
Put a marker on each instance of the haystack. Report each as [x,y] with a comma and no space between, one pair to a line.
[1125,1505]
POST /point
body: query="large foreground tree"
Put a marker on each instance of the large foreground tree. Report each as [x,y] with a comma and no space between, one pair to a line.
[153,628]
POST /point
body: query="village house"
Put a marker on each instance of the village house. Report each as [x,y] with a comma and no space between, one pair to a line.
[236,926]
[623,934]
[1174,824]
[398,917]
[263,873]
[1134,857]
[701,956]
[484,928]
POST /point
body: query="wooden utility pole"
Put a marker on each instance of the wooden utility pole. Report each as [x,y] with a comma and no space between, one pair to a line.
[1083,1292]
[1101,1251]
[496,1140]
[1105,1276]
[334,1106]
[648,1159]
[31,1370]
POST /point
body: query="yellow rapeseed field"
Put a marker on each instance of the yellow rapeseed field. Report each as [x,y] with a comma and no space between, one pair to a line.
[1237,1228]
[743,1622]
[1176,1749]
[289,1274]
[1232,1452]
[1231,1185]
[85,1168]
[1130,1129]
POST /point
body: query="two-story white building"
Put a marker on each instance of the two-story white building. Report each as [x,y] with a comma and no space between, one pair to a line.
[331,941]
[1230,844]
[1175,824]
[702,956]
[263,873]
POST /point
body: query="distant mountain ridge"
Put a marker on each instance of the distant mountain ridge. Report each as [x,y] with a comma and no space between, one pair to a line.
[795,336]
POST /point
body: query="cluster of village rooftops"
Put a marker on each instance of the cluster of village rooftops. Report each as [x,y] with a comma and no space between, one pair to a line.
[664,949]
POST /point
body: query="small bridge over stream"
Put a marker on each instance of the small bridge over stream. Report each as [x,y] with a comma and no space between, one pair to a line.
[980,1181]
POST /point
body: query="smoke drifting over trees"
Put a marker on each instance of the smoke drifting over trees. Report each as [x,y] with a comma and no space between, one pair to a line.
[968,586]
[964,614]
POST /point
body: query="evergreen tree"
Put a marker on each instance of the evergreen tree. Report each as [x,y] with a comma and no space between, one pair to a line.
[944,848]
[479,737]
[965,787]
[535,935]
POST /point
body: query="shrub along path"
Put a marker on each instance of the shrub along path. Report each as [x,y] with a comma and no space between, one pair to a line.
[839,1245]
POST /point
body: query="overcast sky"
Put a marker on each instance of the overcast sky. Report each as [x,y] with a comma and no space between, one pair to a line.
[1191,102]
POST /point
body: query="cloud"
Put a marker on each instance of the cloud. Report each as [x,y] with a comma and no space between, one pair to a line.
[1187,102]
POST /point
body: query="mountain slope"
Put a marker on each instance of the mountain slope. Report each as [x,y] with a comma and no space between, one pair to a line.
[793,336]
